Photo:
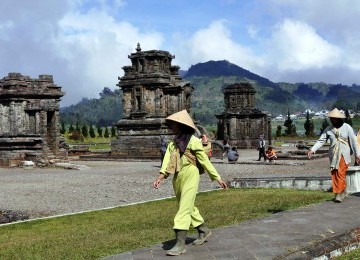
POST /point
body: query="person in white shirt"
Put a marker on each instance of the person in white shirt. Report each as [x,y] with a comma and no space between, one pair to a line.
[261,148]
[342,142]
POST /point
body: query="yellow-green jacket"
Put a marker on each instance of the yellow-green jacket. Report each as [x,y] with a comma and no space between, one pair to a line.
[196,147]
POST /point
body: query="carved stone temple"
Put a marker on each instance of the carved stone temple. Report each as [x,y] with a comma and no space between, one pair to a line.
[151,90]
[241,123]
[29,118]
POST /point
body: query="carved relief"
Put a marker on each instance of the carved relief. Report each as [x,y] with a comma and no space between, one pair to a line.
[241,122]
[148,97]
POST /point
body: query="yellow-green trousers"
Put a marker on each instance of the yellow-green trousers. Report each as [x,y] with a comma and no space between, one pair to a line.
[186,184]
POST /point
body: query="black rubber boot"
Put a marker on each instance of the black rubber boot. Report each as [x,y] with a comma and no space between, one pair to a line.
[204,233]
[179,247]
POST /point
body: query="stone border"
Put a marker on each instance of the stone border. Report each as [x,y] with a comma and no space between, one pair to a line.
[302,183]
[328,248]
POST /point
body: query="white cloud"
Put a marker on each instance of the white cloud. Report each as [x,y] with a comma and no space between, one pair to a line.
[296,45]
[95,47]
[252,31]
[215,43]
[84,43]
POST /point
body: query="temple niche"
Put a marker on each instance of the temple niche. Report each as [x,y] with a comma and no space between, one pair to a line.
[152,89]
[241,123]
[29,118]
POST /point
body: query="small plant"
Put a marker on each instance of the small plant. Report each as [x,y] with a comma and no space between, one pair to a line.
[76,136]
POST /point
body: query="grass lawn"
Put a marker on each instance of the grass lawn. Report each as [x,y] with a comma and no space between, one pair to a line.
[353,255]
[106,232]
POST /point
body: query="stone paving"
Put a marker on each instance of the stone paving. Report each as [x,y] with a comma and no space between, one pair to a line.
[318,231]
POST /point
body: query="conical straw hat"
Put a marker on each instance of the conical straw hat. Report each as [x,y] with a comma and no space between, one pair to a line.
[336,113]
[182,117]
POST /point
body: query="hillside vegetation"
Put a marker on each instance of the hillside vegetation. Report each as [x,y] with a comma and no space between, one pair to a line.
[209,80]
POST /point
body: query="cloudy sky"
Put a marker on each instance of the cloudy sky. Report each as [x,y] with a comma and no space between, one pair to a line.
[84,43]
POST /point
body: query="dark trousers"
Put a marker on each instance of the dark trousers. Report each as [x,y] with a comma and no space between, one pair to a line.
[262,154]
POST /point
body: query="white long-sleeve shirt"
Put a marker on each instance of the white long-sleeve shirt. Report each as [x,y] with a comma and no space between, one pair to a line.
[341,140]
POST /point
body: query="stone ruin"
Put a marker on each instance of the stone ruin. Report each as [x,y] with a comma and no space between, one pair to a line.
[152,89]
[241,123]
[29,119]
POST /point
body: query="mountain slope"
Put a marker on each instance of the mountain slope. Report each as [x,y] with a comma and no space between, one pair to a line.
[225,69]
[210,78]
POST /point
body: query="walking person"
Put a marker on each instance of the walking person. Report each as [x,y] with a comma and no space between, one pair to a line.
[261,148]
[226,148]
[342,141]
[185,159]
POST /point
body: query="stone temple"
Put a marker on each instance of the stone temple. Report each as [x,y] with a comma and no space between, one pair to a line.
[29,118]
[152,89]
[241,123]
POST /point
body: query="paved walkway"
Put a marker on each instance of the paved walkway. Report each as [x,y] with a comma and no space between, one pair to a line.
[314,232]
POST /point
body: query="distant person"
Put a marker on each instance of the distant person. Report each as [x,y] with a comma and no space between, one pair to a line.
[185,159]
[271,154]
[207,145]
[233,155]
[226,148]
[342,141]
[163,146]
[261,148]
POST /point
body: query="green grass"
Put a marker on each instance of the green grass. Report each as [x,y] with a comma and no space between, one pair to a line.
[353,255]
[299,123]
[94,144]
[101,233]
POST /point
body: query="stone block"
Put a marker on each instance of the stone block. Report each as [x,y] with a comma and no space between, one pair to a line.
[300,184]
[314,185]
[353,179]
[288,184]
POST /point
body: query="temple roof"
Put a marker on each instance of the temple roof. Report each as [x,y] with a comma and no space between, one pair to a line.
[242,87]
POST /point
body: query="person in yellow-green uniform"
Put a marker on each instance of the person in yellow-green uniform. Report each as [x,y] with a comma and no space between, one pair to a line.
[185,159]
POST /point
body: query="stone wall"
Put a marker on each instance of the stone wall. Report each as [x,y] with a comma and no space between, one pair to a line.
[242,123]
[29,118]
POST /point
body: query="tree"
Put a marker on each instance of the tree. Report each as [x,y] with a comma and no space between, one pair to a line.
[84,131]
[309,125]
[113,131]
[99,131]
[278,131]
[77,127]
[71,128]
[347,117]
[62,129]
[107,92]
[106,134]
[290,127]
[92,132]
[324,124]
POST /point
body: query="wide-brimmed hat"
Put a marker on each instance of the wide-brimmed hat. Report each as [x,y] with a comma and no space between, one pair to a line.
[182,117]
[336,113]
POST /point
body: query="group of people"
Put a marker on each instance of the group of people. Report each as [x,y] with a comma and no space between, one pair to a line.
[185,158]
[231,153]
[268,154]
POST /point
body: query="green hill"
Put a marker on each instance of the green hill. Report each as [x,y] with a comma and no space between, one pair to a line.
[209,80]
